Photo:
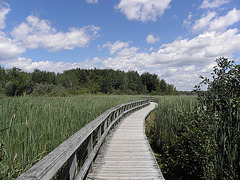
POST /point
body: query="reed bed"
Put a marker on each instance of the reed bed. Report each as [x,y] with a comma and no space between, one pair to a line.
[194,141]
[178,138]
[31,127]
[167,114]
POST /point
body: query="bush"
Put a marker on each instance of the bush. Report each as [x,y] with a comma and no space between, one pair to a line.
[47,89]
[221,103]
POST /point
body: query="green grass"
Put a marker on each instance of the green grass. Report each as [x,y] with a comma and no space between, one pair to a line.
[167,114]
[195,141]
[31,127]
[175,138]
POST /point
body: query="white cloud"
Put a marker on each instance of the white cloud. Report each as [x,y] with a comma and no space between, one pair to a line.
[203,23]
[208,68]
[35,33]
[182,61]
[151,39]
[115,47]
[187,21]
[213,3]
[28,65]
[123,56]
[8,49]
[92,1]
[223,22]
[212,23]
[4,9]
[184,78]
[198,50]
[143,10]
[201,49]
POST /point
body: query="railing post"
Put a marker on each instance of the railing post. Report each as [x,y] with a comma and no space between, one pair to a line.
[115,115]
[105,124]
[109,119]
[90,148]
[99,134]
[73,168]
[70,169]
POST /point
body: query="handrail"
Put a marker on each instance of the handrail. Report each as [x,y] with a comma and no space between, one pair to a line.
[73,158]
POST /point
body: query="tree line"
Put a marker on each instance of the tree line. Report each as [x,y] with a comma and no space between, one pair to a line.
[15,82]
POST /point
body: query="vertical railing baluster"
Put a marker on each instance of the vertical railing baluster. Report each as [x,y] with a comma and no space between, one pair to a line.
[105,124]
[90,148]
[73,168]
[69,170]
[99,134]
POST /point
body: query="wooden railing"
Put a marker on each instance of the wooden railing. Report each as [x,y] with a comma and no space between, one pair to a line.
[74,157]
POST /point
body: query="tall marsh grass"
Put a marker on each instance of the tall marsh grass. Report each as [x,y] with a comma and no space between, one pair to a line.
[193,140]
[178,138]
[167,114]
[31,127]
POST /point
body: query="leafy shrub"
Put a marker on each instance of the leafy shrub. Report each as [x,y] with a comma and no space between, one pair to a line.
[222,105]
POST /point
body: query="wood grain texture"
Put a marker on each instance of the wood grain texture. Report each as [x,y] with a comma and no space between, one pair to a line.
[127,153]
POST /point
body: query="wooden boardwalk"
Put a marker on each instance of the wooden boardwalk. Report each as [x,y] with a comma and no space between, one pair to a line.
[126,154]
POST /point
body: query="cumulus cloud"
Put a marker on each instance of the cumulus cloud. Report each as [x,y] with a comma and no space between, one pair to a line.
[35,33]
[198,50]
[151,39]
[221,23]
[4,9]
[212,23]
[39,33]
[203,23]
[8,49]
[143,10]
[92,1]
[28,65]
[115,47]
[183,77]
[122,55]
[182,61]
[213,3]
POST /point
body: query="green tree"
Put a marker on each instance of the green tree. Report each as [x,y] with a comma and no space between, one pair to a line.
[18,82]
[69,79]
[38,76]
[163,86]
[134,81]
[3,80]
[151,81]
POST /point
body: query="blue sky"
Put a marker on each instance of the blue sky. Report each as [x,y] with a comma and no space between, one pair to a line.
[178,40]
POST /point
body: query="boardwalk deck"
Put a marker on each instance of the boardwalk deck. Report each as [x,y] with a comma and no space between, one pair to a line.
[127,153]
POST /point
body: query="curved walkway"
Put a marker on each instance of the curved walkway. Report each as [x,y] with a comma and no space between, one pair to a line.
[126,154]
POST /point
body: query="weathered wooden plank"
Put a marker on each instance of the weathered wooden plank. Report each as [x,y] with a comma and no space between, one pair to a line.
[127,174]
[124,178]
[124,163]
[127,153]
[91,156]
